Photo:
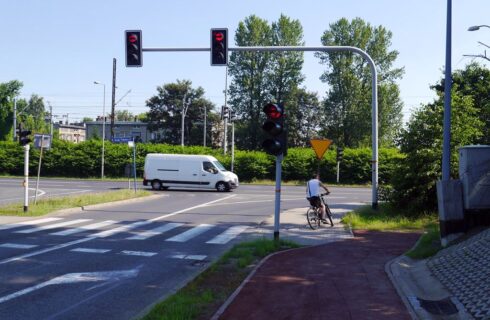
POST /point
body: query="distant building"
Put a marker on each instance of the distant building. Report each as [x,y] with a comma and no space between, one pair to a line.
[70,132]
[122,129]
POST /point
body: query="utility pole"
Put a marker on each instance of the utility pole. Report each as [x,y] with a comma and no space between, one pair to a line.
[50,120]
[185,106]
[113,112]
[15,119]
[205,116]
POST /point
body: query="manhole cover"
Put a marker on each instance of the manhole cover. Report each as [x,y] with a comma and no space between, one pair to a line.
[439,307]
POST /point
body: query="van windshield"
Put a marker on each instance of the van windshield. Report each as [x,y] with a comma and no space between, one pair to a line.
[219,165]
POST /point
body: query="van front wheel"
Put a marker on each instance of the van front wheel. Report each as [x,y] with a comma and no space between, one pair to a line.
[222,186]
[156,185]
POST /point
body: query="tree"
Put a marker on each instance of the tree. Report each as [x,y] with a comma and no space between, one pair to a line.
[124,115]
[8,91]
[474,81]
[87,119]
[304,117]
[261,77]
[414,183]
[348,101]
[165,115]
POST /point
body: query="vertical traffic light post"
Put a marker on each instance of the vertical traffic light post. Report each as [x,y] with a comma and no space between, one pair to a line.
[24,141]
[362,53]
[275,144]
[340,154]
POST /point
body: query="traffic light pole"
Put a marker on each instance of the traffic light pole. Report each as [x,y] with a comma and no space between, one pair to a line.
[26,177]
[374,89]
[277,206]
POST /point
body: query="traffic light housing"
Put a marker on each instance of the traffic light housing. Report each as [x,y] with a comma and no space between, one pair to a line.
[225,111]
[219,47]
[275,127]
[134,48]
[340,154]
[23,135]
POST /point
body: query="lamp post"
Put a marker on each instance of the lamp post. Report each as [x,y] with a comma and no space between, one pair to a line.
[474,28]
[185,106]
[103,132]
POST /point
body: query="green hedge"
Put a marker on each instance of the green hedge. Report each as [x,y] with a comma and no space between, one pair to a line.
[82,160]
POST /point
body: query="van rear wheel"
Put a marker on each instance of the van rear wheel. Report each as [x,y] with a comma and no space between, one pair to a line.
[156,185]
[222,187]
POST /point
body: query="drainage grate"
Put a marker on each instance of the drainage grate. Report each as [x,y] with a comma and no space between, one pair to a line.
[443,307]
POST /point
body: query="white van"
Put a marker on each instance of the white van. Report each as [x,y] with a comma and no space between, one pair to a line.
[187,171]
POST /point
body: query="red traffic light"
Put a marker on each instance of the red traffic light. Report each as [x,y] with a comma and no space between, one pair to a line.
[273,111]
[132,38]
[219,36]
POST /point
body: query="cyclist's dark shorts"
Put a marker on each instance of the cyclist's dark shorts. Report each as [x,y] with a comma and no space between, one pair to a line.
[315,201]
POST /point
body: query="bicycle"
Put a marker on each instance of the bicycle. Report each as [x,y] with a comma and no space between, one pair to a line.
[313,214]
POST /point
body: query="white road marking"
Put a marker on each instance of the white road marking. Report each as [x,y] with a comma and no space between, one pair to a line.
[18,246]
[191,233]
[124,228]
[89,238]
[153,232]
[27,223]
[229,234]
[35,253]
[84,228]
[89,250]
[138,253]
[53,226]
[189,257]
[192,208]
[74,278]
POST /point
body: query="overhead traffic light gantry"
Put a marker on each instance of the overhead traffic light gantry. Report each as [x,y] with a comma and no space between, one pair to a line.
[275,127]
[219,47]
[134,48]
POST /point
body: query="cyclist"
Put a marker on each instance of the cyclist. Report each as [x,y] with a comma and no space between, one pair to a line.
[313,194]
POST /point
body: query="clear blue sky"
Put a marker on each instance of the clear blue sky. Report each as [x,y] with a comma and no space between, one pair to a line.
[58,48]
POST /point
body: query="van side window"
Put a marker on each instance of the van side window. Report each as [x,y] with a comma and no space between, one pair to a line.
[209,167]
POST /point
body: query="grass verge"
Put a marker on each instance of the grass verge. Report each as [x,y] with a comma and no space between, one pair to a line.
[45,206]
[203,296]
[387,218]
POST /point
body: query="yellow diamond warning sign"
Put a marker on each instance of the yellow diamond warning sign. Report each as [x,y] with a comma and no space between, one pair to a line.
[320,146]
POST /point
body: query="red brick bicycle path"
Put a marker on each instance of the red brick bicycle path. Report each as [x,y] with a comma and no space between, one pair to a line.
[338,280]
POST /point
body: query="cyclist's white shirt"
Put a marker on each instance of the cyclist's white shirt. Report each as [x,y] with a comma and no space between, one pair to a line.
[313,188]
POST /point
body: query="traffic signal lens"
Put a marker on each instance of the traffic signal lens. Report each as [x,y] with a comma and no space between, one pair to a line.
[272,127]
[273,111]
[218,36]
[133,38]
[273,147]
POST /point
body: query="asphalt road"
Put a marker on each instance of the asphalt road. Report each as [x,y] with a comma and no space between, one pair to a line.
[114,262]
[12,189]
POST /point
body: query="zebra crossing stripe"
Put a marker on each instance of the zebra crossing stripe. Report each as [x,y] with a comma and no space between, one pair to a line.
[138,253]
[27,223]
[89,250]
[153,232]
[53,226]
[191,233]
[124,228]
[229,234]
[189,257]
[18,246]
[84,228]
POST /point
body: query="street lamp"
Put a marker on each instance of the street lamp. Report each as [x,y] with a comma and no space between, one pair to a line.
[103,132]
[185,106]
[474,28]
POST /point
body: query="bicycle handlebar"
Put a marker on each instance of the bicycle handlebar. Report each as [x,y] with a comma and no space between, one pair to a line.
[325,194]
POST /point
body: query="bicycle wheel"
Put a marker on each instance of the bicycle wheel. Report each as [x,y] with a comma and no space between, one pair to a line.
[328,214]
[312,217]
